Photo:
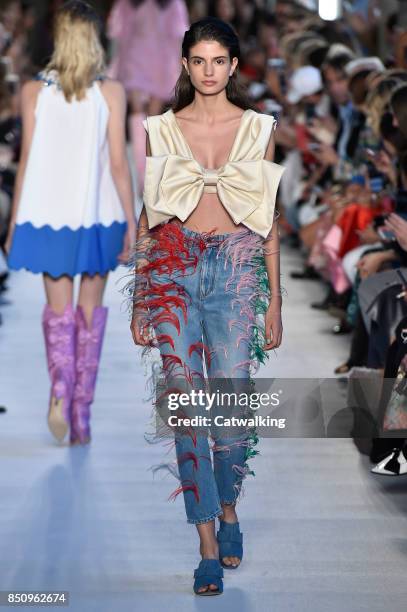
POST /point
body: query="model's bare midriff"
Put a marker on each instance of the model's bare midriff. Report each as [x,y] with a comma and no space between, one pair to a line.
[211,147]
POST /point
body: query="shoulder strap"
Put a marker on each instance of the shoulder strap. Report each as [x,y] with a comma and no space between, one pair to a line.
[46,77]
[50,77]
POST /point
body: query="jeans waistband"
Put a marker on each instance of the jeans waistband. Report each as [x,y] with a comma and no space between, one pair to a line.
[211,238]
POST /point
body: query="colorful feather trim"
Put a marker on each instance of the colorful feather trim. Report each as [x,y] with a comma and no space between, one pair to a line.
[153,294]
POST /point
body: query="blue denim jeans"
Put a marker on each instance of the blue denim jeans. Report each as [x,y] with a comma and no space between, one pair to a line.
[203,316]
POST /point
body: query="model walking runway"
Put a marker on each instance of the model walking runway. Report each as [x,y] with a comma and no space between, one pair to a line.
[198,286]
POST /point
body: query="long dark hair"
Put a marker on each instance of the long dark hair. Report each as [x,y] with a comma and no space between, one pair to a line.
[393,134]
[215,29]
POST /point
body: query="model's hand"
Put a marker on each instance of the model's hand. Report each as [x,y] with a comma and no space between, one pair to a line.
[273,327]
[7,244]
[140,330]
[128,243]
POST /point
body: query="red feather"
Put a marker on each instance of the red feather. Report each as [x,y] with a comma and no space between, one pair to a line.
[189,455]
[186,487]
[166,318]
[164,338]
[170,361]
[199,345]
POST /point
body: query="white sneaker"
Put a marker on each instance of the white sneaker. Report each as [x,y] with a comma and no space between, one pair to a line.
[394,464]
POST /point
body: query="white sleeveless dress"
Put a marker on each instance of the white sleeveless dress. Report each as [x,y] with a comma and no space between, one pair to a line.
[69,219]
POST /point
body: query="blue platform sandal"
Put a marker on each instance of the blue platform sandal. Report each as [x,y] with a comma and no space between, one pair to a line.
[209,571]
[230,540]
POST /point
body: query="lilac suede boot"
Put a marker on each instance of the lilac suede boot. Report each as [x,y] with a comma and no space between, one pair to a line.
[59,333]
[88,351]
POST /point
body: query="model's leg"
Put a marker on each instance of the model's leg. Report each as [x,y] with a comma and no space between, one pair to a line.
[197,481]
[59,292]
[229,320]
[58,322]
[229,451]
[182,369]
[91,291]
[175,316]
[91,319]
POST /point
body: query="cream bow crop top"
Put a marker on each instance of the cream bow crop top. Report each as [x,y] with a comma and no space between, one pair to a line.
[246,185]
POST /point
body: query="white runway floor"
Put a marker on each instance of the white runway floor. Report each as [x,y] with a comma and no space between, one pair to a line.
[321,532]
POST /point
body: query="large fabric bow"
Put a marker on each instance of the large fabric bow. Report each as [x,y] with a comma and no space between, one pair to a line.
[239,185]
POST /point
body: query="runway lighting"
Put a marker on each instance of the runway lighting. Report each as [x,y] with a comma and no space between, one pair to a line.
[329,10]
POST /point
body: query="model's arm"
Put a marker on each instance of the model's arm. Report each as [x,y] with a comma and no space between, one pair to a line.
[273,323]
[139,324]
[29,94]
[119,165]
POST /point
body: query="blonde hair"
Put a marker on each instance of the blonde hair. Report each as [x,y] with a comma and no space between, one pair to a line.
[78,55]
[378,98]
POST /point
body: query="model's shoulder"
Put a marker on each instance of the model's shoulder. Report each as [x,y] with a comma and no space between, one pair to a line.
[31,87]
[29,91]
[110,83]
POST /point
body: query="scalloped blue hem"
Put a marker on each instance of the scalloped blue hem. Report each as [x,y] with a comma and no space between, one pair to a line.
[91,250]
